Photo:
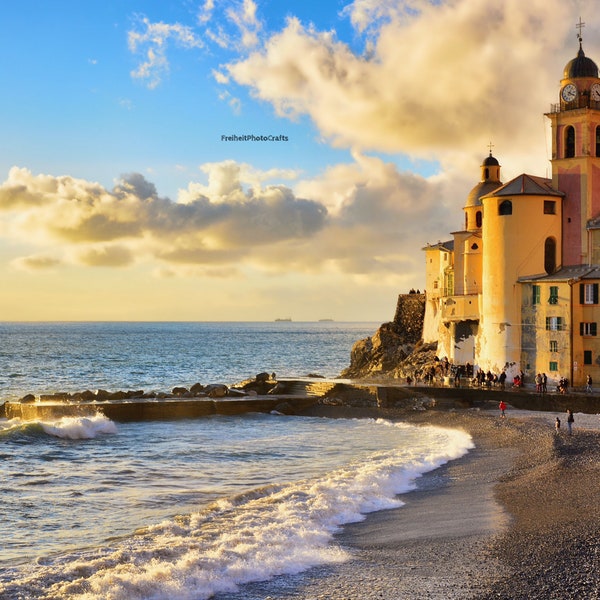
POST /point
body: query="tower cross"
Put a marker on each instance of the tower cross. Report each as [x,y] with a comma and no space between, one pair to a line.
[490,146]
[580,25]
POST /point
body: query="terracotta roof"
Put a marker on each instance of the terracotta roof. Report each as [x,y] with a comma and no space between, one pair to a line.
[572,272]
[526,185]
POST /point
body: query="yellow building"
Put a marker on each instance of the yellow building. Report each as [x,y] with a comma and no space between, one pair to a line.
[517,289]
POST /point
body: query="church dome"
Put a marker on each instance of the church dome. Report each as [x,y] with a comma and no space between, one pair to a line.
[483,188]
[580,66]
[490,181]
[491,161]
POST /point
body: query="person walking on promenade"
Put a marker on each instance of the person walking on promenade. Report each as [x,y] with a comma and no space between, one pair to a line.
[557,425]
[570,421]
[502,407]
[588,384]
[544,383]
[502,379]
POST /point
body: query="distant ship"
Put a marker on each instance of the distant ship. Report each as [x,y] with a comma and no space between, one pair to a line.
[284,319]
[324,320]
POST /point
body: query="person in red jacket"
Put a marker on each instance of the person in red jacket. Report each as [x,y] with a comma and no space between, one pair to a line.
[502,407]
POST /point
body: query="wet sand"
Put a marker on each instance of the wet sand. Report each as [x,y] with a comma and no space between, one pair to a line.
[516,518]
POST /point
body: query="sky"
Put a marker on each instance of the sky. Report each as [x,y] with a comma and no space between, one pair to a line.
[246,160]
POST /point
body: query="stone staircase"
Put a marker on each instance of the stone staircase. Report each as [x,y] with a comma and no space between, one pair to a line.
[300,387]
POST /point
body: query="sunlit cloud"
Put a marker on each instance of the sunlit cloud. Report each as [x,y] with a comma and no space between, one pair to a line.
[355,219]
[36,263]
[440,80]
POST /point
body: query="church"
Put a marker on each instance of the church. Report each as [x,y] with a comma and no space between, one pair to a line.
[517,290]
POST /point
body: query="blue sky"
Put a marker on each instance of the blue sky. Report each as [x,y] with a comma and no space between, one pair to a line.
[74,106]
[114,175]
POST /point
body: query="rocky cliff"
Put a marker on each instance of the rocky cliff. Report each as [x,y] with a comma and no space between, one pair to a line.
[395,350]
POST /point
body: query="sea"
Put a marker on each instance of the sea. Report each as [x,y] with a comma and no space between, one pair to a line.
[188,509]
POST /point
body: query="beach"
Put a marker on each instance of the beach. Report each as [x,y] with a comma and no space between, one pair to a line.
[516,518]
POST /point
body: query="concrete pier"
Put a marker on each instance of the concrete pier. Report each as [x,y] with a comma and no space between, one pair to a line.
[302,394]
[156,410]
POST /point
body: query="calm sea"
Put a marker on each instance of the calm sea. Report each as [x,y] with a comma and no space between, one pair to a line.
[189,509]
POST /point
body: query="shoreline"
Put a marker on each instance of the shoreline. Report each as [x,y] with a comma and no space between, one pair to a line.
[513,519]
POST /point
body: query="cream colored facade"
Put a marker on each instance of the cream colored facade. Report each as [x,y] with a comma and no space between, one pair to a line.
[517,289]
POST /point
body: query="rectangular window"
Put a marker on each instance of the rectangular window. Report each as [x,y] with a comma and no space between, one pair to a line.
[553,294]
[587,329]
[553,365]
[587,357]
[549,207]
[588,293]
[553,346]
[554,324]
[537,294]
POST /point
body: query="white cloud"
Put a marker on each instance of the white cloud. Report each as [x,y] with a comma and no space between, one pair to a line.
[442,79]
[152,41]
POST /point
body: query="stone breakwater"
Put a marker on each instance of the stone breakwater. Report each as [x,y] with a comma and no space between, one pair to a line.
[261,384]
[263,393]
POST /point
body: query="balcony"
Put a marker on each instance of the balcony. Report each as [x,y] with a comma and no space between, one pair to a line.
[460,308]
[582,101]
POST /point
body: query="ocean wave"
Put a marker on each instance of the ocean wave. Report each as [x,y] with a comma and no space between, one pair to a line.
[255,536]
[72,428]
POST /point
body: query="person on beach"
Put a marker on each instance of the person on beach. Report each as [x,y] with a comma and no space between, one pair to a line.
[557,425]
[570,421]
[588,384]
[502,407]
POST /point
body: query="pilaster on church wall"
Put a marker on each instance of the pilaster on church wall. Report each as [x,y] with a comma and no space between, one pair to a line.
[569,182]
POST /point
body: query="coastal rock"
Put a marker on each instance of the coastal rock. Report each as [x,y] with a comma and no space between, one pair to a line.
[58,397]
[262,384]
[179,391]
[216,390]
[395,350]
[280,388]
[197,388]
[27,399]
[380,354]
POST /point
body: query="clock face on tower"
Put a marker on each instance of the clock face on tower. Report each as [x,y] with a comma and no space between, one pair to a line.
[569,92]
[595,92]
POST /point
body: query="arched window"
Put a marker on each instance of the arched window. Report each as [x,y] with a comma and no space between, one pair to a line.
[569,142]
[550,255]
[486,173]
[505,208]
[478,218]
[598,141]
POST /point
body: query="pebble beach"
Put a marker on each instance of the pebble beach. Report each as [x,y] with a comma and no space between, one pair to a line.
[516,518]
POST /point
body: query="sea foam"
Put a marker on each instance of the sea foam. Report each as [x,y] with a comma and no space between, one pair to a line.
[271,531]
[72,428]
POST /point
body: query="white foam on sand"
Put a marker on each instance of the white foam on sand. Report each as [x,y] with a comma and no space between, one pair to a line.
[277,530]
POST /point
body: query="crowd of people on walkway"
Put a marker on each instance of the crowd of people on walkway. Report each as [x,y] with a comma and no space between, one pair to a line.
[444,372]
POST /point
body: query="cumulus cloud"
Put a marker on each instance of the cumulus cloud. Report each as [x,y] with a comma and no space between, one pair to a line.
[219,222]
[440,79]
[360,219]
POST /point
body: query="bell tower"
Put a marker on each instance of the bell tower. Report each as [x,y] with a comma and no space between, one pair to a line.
[575,123]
